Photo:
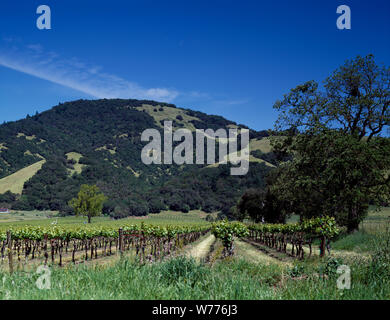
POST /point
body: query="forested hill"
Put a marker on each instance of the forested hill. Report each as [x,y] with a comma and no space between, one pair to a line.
[46,157]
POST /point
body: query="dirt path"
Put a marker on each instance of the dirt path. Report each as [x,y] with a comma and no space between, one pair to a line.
[201,249]
[334,253]
[283,257]
[254,254]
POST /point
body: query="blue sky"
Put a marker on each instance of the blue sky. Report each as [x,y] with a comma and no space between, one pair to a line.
[231,58]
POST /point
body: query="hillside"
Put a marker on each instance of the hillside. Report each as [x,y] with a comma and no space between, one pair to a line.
[99,141]
[15,181]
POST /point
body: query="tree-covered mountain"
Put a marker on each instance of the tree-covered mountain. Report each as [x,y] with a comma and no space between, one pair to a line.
[99,142]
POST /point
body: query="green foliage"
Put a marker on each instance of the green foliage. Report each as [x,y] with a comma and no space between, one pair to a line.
[211,189]
[341,174]
[320,226]
[261,206]
[251,204]
[297,270]
[89,232]
[312,228]
[329,267]
[226,231]
[89,202]
[340,159]
[8,197]
[356,99]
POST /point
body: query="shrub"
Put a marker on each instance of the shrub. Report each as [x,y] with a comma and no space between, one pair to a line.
[331,265]
[296,271]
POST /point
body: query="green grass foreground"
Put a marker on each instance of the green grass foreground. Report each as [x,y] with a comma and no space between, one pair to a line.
[184,278]
[251,274]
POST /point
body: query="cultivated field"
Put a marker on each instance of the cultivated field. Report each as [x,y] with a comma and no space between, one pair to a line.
[195,269]
[51,218]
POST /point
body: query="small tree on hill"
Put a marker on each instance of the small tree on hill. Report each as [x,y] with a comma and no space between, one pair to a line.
[89,202]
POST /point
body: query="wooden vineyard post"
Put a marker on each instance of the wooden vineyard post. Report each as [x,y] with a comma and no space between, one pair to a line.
[9,242]
[45,248]
[120,240]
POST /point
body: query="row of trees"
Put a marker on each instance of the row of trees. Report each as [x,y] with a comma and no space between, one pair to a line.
[338,140]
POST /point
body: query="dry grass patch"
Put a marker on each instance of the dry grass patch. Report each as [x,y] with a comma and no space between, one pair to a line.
[15,181]
[168,113]
[264,145]
[78,168]
[105,148]
[252,254]
[21,134]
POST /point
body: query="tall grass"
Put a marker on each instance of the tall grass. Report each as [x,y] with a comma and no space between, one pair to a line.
[184,278]
[178,278]
[359,241]
[370,279]
[232,278]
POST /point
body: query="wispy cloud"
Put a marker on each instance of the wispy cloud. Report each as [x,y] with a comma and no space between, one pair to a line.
[229,102]
[33,60]
[214,99]
[234,102]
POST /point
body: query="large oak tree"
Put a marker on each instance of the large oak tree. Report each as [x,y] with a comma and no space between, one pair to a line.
[341,155]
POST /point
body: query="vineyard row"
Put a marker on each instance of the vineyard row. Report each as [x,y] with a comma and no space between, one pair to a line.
[280,236]
[55,243]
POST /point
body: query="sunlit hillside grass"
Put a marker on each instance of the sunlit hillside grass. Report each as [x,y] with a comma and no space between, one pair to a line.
[264,145]
[160,113]
[77,166]
[15,181]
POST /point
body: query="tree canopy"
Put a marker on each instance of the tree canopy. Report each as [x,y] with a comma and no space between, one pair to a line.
[334,174]
[355,99]
[341,160]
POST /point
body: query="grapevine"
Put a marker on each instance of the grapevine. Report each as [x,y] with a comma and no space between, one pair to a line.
[150,242]
[226,231]
[278,236]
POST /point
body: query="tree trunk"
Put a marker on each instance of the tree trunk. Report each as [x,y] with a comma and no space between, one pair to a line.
[352,223]
[322,246]
[89,219]
[352,226]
